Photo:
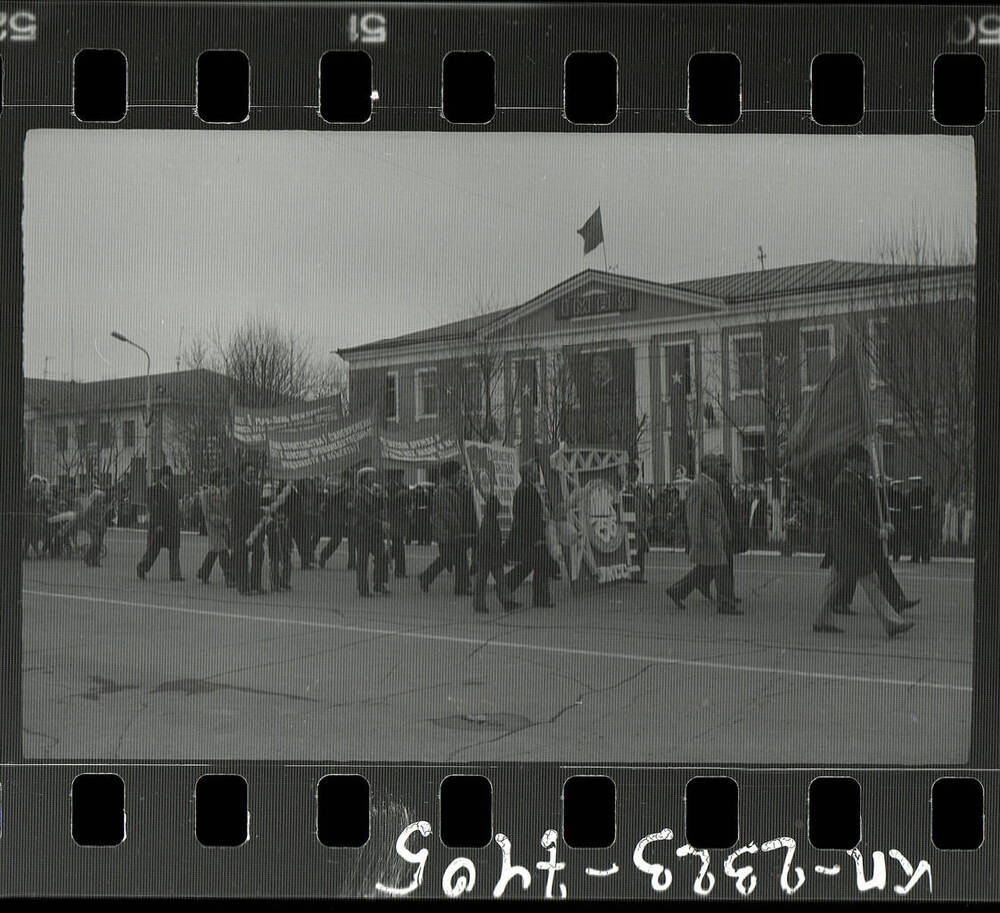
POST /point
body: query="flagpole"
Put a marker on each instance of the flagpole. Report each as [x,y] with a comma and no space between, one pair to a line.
[869,421]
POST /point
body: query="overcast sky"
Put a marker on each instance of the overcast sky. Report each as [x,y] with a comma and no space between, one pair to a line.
[351,237]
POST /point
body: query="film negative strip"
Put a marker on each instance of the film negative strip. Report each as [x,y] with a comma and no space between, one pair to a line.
[443,329]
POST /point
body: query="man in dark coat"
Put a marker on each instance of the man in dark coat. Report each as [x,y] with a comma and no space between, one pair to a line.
[164,526]
[855,542]
[887,581]
[422,515]
[526,542]
[337,517]
[369,531]
[446,527]
[399,521]
[489,559]
[244,512]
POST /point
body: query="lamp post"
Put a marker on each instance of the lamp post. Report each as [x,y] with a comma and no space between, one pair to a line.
[147,416]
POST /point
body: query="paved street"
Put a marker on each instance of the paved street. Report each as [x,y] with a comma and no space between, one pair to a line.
[118,668]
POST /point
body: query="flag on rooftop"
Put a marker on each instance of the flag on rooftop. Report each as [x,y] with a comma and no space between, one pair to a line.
[592,232]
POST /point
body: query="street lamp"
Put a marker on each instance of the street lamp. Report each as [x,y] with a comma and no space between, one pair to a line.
[147,416]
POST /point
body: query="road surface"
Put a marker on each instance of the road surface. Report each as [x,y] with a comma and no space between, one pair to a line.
[118,668]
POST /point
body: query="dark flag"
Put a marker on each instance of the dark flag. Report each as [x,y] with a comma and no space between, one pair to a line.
[592,232]
[836,416]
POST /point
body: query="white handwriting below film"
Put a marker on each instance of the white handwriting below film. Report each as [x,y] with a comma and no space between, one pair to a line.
[460,875]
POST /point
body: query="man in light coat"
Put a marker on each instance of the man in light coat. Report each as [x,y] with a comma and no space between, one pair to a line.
[213,509]
[711,543]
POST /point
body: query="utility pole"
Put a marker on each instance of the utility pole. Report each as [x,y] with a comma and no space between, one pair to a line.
[761,255]
[45,369]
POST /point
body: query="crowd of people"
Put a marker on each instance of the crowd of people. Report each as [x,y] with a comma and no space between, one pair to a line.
[375,516]
[249,519]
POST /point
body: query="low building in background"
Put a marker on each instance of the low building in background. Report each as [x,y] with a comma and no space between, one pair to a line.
[85,434]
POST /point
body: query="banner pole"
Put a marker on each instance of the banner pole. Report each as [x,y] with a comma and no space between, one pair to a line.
[870,427]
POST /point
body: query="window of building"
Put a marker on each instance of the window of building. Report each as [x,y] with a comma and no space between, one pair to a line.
[754,450]
[390,405]
[107,435]
[748,352]
[62,438]
[427,393]
[879,346]
[128,433]
[817,353]
[525,380]
[473,389]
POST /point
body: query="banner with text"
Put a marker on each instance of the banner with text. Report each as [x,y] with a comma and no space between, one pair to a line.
[493,470]
[300,453]
[431,447]
[251,427]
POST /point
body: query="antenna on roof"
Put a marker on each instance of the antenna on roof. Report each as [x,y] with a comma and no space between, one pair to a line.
[45,369]
[761,255]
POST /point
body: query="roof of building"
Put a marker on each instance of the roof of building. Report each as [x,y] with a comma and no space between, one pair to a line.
[68,396]
[731,290]
[807,277]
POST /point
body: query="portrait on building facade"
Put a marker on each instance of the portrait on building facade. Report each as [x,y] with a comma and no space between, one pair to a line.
[590,448]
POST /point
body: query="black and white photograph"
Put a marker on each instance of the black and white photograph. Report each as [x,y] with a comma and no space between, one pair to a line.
[450,447]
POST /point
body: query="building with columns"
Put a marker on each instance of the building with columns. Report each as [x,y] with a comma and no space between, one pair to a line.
[668,371]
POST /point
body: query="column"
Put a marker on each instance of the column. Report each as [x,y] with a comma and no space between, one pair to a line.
[644,407]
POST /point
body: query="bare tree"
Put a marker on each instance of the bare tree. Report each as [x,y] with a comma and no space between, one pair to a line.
[918,338]
[267,364]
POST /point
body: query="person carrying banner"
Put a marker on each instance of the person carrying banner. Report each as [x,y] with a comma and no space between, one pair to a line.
[213,508]
[489,559]
[711,542]
[446,528]
[337,517]
[164,526]
[94,521]
[855,543]
[244,512]
[370,532]
[304,518]
[526,545]
[278,502]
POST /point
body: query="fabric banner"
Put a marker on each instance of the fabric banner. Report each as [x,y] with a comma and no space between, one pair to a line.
[300,453]
[493,470]
[836,415]
[252,426]
[432,447]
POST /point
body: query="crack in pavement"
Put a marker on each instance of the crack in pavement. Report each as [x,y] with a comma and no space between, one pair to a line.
[128,726]
[44,752]
[575,703]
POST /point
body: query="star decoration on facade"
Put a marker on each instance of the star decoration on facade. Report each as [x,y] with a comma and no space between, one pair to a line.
[676,377]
